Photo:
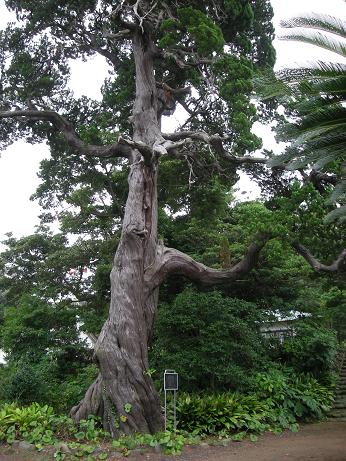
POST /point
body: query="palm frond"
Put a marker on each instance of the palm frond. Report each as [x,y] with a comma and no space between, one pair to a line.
[317,69]
[331,115]
[326,23]
[339,215]
[339,192]
[323,161]
[317,39]
[316,101]
[319,77]
[268,87]
[313,133]
[316,162]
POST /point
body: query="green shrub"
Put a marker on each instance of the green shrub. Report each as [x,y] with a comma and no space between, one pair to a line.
[300,394]
[212,340]
[24,382]
[221,413]
[39,425]
[278,402]
[69,392]
[311,350]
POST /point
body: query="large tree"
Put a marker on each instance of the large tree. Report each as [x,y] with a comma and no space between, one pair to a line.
[200,56]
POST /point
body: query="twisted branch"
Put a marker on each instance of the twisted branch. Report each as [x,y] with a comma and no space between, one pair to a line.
[171,261]
[336,266]
[216,142]
[67,129]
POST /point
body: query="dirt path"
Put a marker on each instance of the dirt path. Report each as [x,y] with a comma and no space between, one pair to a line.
[314,442]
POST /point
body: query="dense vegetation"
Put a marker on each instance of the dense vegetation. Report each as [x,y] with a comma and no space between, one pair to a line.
[55,291]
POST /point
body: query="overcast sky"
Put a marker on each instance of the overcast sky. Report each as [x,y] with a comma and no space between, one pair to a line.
[19,164]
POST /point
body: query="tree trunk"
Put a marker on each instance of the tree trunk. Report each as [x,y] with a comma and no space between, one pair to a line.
[121,350]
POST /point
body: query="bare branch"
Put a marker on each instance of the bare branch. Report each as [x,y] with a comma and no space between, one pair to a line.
[160,147]
[216,142]
[171,261]
[67,129]
[146,151]
[139,17]
[179,61]
[117,13]
[336,266]
[176,91]
[126,33]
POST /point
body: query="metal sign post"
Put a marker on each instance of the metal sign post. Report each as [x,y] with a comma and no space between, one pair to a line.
[170,383]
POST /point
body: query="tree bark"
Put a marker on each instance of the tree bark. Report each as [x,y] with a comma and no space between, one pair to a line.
[121,350]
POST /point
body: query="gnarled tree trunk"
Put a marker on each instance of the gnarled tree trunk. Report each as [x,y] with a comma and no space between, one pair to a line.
[121,350]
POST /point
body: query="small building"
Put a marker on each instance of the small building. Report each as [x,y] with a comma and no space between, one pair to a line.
[282,327]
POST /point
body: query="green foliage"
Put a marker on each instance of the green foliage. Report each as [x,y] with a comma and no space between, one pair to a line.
[315,97]
[212,340]
[170,442]
[311,350]
[279,400]
[333,302]
[206,34]
[298,395]
[39,425]
[221,413]
[69,390]
[43,382]
[34,328]
[25,382]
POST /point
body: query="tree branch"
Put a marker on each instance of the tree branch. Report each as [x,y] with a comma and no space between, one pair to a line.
[67,129]
[126,33]
[160,147]
[176,91]
[336,266]
[179,61]
[171,261]
[214,141]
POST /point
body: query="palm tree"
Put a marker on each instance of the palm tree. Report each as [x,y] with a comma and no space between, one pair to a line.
[315,97]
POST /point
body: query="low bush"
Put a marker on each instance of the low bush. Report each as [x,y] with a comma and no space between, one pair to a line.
[25,382]
[279,401]
[39,425]
[312,350]
[170,442]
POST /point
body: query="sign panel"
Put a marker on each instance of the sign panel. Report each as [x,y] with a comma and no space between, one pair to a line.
[170,380]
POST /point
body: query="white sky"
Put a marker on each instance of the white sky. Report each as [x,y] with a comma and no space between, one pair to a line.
[19,164]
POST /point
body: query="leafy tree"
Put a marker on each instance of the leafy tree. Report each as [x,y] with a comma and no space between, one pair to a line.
[213,340]
[201,56]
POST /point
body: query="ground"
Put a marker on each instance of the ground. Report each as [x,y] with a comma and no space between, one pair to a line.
[314,442]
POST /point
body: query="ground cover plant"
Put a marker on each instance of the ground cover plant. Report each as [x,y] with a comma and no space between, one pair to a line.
[280,401]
